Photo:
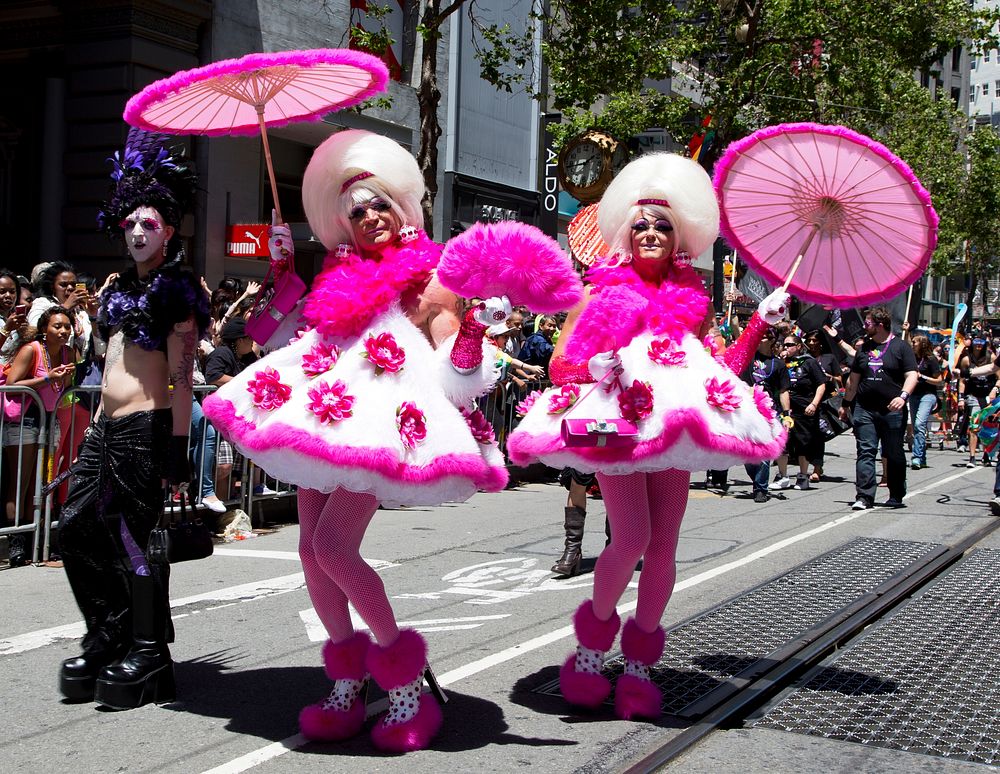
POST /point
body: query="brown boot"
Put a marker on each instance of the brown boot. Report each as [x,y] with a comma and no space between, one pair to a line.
[568,564]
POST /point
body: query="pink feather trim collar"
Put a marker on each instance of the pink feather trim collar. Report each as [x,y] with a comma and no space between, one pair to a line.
[347,295]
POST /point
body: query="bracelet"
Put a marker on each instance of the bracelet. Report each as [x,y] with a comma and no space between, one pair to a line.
[904,395]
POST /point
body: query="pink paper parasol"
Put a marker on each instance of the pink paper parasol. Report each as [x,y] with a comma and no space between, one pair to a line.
[840,204]
[243,96]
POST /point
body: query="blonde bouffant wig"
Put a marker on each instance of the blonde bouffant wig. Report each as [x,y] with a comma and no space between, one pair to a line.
[352,166]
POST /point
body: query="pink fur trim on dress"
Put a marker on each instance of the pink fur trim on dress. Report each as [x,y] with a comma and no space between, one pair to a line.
[673,308]
[415,734]
[382,461]
[524,448]
[742,146]
[512,259]
[156,92]
[400,663]
[348,295]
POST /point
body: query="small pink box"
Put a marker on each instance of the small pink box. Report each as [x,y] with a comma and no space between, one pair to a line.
[274,302]
[599,432]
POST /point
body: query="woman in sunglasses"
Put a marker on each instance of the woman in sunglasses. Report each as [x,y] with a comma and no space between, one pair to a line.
[653,369]
[973,391]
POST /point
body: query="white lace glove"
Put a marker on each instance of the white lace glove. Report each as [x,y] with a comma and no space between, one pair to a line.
[602,362]
[773,308]
[492,311]
[279,241]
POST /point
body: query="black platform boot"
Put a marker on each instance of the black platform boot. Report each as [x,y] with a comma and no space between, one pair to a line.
[568,564]
[19,550]
[146,674]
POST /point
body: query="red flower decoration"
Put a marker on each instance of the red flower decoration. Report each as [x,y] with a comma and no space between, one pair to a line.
[330,402]
[522,408]
[764,403]
[267,391]
[411,424]
[481,429]
[666,353]
[562,400]
[384,353]
[320,359]
[636,402]
[722,395]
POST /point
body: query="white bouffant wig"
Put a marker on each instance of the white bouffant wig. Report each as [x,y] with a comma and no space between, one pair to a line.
[382,168]
[691,206]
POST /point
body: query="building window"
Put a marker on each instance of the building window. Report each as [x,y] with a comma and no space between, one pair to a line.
[956,59]
[986,55]
[986,88]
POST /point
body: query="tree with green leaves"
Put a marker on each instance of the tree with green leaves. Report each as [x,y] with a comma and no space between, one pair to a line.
[981,212]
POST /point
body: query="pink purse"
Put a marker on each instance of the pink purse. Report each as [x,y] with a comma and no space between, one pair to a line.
[277,297]
[601,433]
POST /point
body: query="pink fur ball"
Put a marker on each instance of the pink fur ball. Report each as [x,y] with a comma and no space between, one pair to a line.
[512,259]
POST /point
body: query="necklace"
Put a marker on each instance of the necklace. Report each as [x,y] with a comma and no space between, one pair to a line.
[876,353]
[56,385]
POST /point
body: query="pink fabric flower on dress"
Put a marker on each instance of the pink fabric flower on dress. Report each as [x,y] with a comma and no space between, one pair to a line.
[666,353]
[764,403]
[330,402]
[267,391]
[562,400]
[522,408]
[300,333]
[384,353]
[320,359]
[722,395]
[411,424]
[481,429]
[636,402]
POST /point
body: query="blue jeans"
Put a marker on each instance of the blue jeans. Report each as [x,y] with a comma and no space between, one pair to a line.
[760,473]
[203,448]
[871,427]
[921,407]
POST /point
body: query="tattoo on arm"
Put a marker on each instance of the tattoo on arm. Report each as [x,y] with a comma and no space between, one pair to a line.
[183,372]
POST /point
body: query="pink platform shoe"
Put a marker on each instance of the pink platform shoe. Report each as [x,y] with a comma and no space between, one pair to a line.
[635,694]
[580,678]
[341,715]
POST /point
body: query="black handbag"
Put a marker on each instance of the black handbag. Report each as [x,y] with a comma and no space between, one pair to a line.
[829,421]
[181,540]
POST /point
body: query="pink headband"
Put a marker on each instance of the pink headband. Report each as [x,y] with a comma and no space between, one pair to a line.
[352,180]
[661,202]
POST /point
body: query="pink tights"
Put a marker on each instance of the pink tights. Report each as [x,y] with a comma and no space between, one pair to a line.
[331,528]
[645,511]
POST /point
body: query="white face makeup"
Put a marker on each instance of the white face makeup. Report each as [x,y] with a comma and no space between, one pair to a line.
[146,234]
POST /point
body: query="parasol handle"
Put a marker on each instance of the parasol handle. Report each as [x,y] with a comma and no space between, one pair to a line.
[267,158]
[798,260]
[909,297]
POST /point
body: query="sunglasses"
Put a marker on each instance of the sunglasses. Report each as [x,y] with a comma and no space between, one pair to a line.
[790,343]
[357,212]
[663,226]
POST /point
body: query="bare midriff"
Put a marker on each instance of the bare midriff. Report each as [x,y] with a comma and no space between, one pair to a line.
[135,379]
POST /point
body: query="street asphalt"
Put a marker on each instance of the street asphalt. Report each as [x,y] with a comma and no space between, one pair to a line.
[475,579]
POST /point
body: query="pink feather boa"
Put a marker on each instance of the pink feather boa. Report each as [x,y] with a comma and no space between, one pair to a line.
[348,295]
[622,306]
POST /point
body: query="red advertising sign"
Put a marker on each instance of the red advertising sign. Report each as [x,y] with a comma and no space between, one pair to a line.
[247,240]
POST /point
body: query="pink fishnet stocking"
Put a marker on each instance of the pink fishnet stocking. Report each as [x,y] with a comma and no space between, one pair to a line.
[645,510]
[331,528]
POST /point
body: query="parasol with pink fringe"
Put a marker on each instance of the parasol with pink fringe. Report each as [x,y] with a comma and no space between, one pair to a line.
[831,215]
[246,95]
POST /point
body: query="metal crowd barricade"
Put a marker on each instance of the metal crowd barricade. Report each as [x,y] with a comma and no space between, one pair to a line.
[8,429]
[499,406]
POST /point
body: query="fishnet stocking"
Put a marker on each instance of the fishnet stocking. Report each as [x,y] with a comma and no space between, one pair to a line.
[645,511]
[331,528]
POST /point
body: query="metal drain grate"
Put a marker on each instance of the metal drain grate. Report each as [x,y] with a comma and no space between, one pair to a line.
[925,680]
[712,654]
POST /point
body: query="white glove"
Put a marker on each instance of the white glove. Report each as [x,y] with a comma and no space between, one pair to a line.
[773,308]
[279,241]
[602,362]
[492,311]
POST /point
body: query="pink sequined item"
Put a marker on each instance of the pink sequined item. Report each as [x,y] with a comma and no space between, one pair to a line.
[352,180]
[564,371]
[467,351]
[738,356]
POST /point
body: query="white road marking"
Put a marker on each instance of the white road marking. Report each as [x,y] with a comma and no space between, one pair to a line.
[255,758]
[317,632]
[292,556]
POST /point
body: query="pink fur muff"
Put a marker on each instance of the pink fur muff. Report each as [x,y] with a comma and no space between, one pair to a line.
[583,688]
[343,660]
[635,697]
[393,666]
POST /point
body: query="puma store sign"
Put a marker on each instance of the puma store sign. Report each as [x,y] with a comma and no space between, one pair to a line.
[247,240]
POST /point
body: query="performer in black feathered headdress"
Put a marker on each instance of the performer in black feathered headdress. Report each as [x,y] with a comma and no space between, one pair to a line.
[151,316]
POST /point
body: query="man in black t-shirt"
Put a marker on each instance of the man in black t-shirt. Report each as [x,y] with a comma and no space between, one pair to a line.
[883,375]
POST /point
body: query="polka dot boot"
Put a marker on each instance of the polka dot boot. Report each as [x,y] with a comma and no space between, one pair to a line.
[341,715]
[580,678]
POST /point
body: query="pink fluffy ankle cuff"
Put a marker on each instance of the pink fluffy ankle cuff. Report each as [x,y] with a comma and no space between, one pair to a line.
[644,647]
[591,632]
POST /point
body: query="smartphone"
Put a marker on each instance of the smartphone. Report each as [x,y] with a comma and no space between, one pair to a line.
[21,309]
[81,287]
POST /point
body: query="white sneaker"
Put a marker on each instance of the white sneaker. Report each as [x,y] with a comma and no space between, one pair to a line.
[995,506]
[860,505]
[213,503]
[782,482]
[802,482]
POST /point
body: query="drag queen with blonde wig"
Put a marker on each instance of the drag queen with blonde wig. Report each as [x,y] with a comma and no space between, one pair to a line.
[640,334]
[370,401]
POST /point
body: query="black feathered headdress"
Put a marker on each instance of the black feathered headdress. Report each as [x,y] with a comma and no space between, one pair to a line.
[148,173]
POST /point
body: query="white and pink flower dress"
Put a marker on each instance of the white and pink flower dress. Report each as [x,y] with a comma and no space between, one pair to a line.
[691,410]
[375,410]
